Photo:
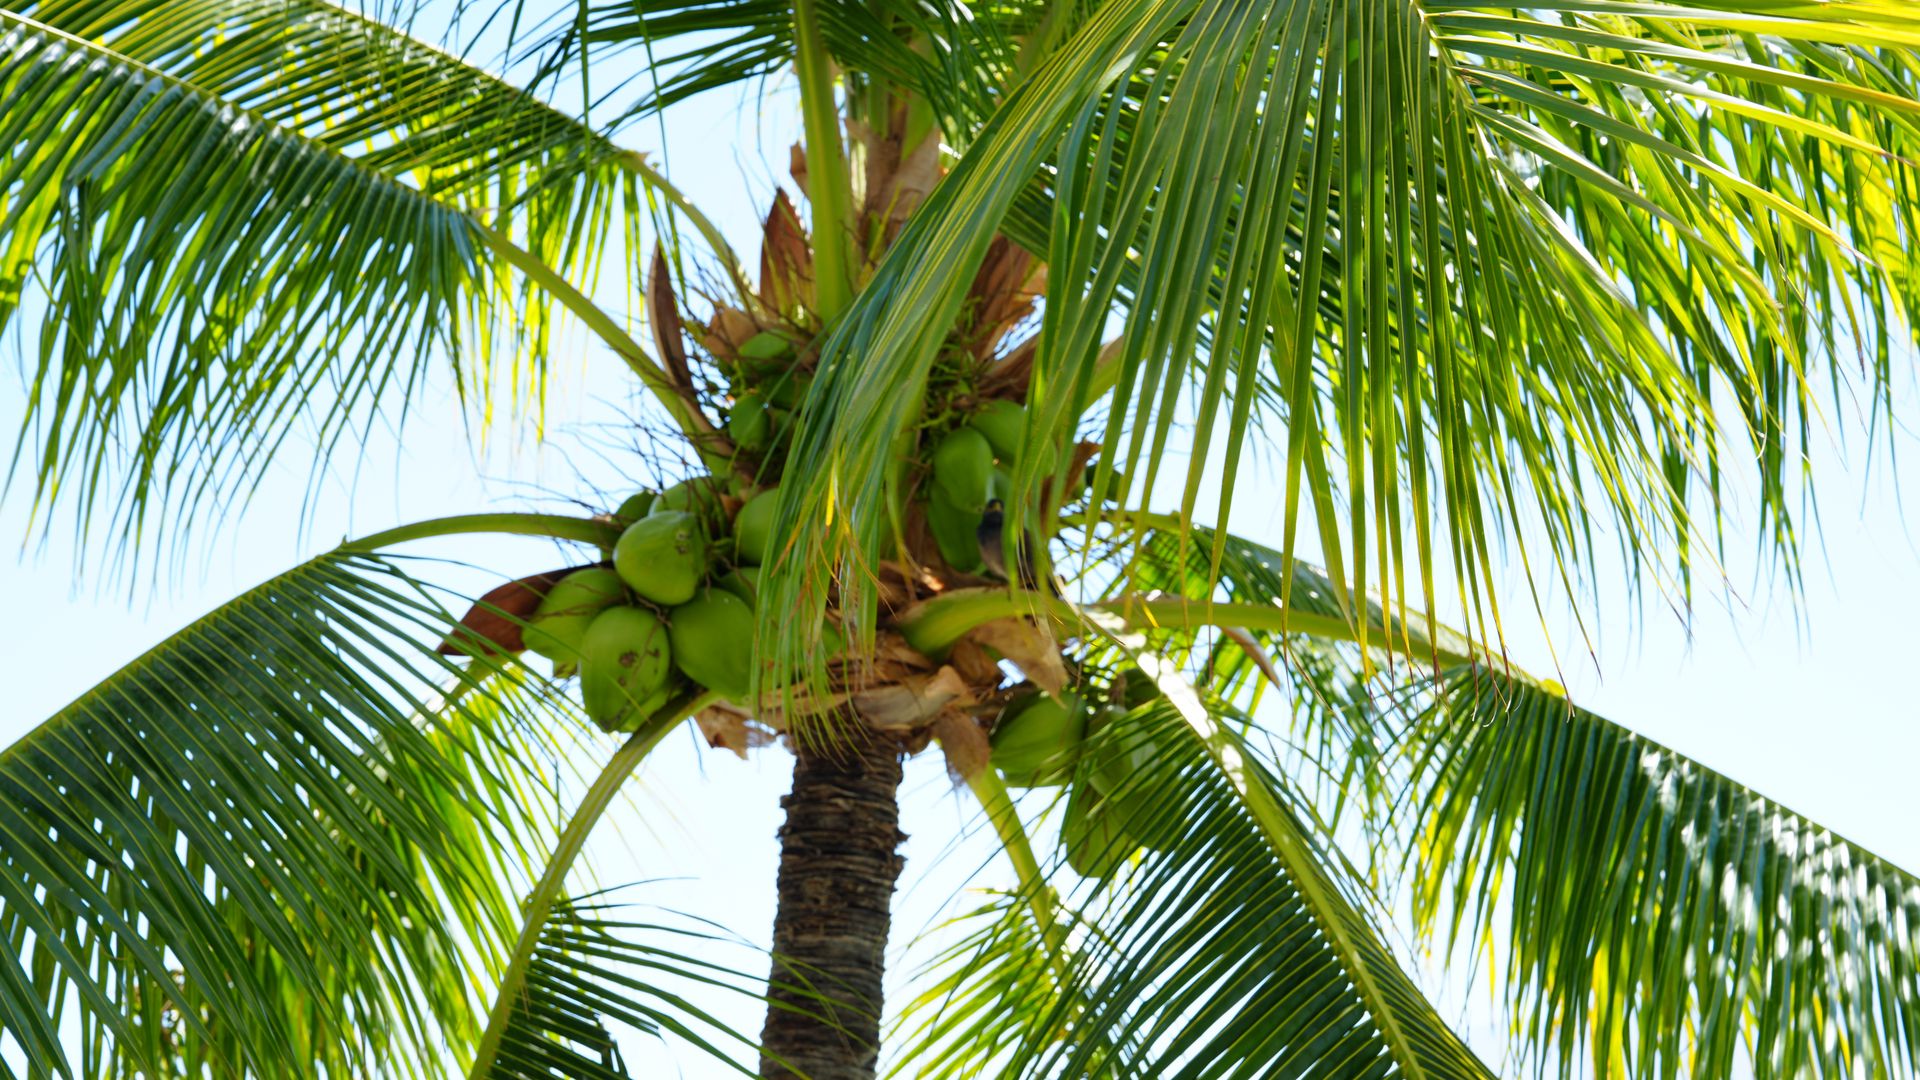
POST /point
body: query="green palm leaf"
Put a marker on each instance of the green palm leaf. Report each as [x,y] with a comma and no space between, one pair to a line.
[1455,282]
[1335,727]
[596,966]
[953,57]
[356,86]
[331,223]
[266,847]
[1631,886]
[1473,272]
[1221,952]
[1199,562]
[1662,917]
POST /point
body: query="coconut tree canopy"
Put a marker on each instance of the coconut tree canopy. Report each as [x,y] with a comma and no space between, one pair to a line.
[1490,285]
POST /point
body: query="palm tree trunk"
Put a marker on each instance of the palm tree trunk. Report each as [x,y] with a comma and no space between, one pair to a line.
[838,864]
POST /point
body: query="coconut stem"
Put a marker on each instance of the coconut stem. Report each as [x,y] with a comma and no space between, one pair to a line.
[557,526]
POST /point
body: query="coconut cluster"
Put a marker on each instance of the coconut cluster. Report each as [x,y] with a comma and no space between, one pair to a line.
[674,611]
[968,479]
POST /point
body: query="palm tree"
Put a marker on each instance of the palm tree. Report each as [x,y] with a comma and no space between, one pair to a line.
[1484,280]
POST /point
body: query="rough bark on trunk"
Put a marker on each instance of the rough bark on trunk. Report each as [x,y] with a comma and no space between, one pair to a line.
[838,865]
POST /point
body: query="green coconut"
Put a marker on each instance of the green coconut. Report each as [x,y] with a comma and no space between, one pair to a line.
[956,532]
[663,557]
[713,642]
[747,422]
[699,496]
[1092,835]
[753,528]
[634,507]
[999,486]
[559,624]
[1137,688]
[626,668]
[1038,739]
[963,469]
[743,582]
[788,391]
[1116,751]
[1004,423]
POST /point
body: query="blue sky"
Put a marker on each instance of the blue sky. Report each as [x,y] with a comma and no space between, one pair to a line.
[1814,706]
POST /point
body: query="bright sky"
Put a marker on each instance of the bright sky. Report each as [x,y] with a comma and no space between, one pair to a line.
[1815,709]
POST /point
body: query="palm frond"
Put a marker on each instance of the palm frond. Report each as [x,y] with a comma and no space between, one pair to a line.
[1655,913]
[1335,738]
[600,966]
[1453,275]
[358,87]
[267,846]
[322,236]
[1332,702]
[1214,950]
[1652,913]
[1177,557]
[954,58]
[991,990]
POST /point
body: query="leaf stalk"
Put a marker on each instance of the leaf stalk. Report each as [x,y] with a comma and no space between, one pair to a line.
[828,191]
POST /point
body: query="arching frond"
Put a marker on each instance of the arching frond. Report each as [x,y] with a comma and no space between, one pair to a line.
[1337,739]
[1656,914]
[1212,950]
[268,846]
[1651,913]
[545,1016]
[600,968]
[954,58]
[397,105]
[235,224]
[1457,272]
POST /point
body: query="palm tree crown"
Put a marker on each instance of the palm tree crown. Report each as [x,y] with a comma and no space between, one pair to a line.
[1482,280]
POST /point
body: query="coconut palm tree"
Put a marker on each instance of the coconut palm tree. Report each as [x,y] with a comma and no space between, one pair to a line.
[1482,280]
